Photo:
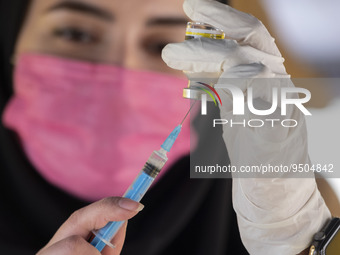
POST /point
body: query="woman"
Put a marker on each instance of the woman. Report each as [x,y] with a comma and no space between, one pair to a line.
[42,207]
[86,45]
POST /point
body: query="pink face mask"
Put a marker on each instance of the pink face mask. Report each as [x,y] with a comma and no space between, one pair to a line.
[88,128]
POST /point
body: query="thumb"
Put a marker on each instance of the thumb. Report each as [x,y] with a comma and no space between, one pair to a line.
[96,216]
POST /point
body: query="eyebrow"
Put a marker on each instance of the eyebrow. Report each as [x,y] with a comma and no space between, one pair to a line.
[167,21]
[83,8]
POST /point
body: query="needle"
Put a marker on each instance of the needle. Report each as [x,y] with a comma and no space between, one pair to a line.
[188,112]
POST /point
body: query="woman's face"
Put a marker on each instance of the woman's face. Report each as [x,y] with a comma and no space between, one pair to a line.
[129,33]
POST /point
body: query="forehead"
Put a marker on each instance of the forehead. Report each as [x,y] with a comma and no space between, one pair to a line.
[120,9]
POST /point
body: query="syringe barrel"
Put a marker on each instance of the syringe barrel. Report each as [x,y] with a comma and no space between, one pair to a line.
[135,192]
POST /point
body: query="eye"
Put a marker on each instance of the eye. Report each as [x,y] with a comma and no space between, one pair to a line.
[155,48]
[75,35]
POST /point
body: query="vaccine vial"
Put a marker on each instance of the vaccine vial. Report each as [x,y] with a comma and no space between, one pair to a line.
[199,29]
[196,30]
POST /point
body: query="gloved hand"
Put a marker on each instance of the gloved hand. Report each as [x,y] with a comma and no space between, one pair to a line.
[275,215]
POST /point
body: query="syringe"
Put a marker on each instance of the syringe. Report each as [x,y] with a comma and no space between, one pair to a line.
[138,188]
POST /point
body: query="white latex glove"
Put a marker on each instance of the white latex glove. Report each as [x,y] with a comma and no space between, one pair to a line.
[275,215]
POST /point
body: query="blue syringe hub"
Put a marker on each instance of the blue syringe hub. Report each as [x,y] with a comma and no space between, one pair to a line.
[169,142]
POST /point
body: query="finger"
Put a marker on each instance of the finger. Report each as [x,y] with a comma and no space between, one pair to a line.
[73,245]
[208,55]
[96,216]
[255,75]
[239,77]
[253,70]
[258,76]
[238,25]
[118,242]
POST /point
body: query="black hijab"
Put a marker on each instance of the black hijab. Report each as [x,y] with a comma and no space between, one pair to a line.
[12,14]
[23,189]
